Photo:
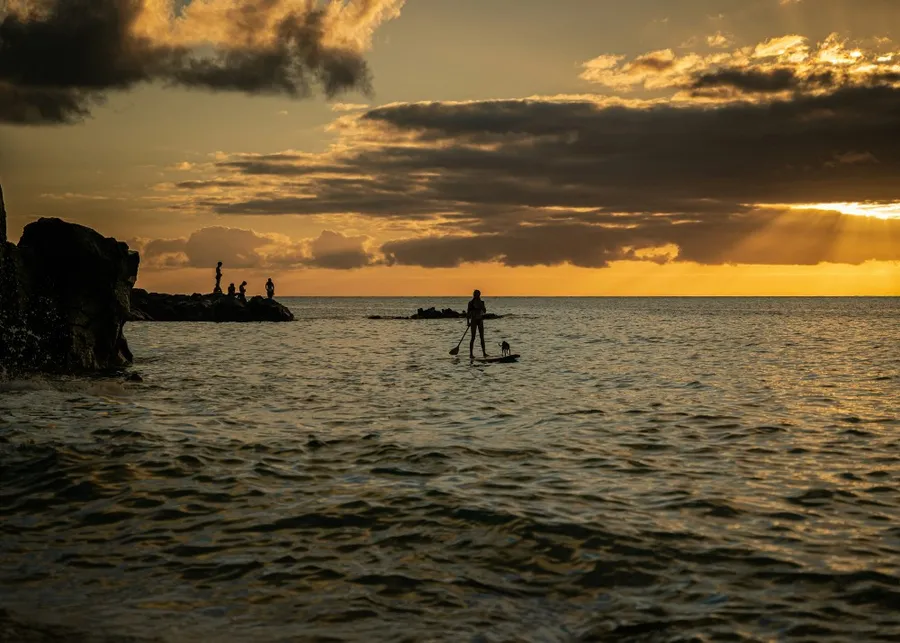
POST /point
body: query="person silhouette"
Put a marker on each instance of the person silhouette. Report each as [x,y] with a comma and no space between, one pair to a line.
[270,289]
[243,295]
[475,314]
[218,289]
[231,290]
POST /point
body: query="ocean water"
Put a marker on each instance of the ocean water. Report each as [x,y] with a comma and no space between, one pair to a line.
[651,470]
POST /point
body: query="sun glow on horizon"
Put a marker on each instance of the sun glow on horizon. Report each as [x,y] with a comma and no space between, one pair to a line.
[874,210]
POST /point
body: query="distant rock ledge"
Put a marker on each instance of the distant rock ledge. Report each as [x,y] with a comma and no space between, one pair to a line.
[433,313]
[160,307]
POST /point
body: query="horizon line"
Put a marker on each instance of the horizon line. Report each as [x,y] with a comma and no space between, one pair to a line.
[892,296]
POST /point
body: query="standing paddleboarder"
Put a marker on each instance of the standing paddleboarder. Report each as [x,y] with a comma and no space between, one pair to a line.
[475,314]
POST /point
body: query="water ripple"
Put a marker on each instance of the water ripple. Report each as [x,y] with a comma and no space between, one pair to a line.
[669,470]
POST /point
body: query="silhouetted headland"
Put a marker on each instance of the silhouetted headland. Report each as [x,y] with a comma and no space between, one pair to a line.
[65,292]
[216,307]
[433,313]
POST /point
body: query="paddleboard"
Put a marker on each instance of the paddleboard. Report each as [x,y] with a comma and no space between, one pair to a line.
[496,360]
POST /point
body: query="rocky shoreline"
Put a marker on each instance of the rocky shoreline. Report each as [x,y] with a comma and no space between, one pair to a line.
[66,292]
[160,307]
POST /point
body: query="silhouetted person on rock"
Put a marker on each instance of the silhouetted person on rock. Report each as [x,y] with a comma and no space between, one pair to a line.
[218,289]
[231,290]
[270,289]
[243,295]
[475,314]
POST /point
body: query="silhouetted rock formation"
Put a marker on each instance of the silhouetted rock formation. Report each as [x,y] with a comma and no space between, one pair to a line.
[433,313]
[65,293]
[9,290]
[152,306]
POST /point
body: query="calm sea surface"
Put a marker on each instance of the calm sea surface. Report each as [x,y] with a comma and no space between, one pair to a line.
[651,470]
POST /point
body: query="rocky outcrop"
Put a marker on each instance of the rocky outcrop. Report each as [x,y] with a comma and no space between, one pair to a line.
[65,292]
[64,298]
[151,306]
[433,313]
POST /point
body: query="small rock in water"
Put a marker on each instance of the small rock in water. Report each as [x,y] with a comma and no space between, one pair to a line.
[134,377]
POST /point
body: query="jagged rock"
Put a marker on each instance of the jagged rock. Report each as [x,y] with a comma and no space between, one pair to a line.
[433,313]
[70,301]
[151,306]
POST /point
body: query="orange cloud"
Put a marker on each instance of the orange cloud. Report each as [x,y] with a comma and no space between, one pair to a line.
[772,69]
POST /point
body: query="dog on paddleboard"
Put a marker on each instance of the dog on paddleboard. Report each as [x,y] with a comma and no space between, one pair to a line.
[504,348]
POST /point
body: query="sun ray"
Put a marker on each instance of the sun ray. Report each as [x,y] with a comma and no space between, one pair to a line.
[860,209]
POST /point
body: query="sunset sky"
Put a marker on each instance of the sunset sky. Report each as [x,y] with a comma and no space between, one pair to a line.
[428,147]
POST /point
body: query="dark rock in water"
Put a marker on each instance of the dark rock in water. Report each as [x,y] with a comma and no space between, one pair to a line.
[433,313]
[78,288]
[65,291]
[152,306]
[134,377]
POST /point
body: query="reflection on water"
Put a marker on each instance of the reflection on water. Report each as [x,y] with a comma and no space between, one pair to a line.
[652,470]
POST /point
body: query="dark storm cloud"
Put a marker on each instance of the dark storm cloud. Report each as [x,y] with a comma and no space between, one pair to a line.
[262,167]
[207,185]
[290,66]
[570,154]
[749,80]
[661,157]
[766,81]
[40,105]
[530,182]
[56,65]
[655,62]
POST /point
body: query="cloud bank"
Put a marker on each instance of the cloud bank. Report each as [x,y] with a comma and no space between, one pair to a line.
[59,58]
[719,160]
[238,249]
[588,180]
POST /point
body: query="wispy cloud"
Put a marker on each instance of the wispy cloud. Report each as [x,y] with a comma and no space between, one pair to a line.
[349,107]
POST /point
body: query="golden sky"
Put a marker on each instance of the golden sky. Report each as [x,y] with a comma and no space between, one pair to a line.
[423,147]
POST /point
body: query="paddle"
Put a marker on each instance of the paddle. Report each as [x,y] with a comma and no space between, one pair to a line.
[455,351]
